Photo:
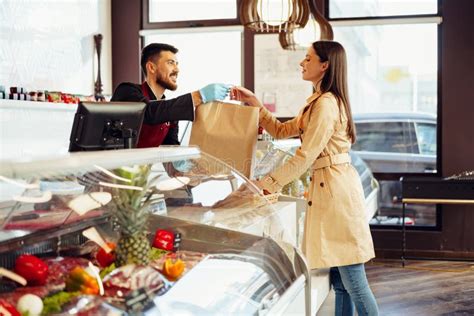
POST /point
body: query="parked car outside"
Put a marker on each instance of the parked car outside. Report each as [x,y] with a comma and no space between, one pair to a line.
[397,142]
[272,154]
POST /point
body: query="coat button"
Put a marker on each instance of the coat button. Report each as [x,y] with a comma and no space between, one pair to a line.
[310,203]
[310,178]
[321,184]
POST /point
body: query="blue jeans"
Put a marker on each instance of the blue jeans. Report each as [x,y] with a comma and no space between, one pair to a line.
[351,287]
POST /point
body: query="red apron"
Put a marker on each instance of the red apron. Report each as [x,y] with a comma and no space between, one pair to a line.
[152,135]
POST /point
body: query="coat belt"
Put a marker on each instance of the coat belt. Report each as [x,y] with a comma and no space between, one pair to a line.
[331,160]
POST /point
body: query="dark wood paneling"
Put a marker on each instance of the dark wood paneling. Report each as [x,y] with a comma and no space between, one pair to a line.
[457,144]
[458,115]
[392,239]
[126,23]
[249,58]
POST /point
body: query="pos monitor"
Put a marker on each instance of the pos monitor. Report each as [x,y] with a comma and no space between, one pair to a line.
[106,125]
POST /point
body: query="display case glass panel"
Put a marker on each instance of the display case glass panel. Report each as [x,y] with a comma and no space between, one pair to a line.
[203,222]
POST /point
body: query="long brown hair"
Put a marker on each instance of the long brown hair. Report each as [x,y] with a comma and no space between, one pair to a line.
[335,78]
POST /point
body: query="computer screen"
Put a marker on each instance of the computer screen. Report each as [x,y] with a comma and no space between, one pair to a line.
[106,125]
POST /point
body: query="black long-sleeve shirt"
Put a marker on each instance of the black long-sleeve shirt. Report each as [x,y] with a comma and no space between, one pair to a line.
[158,111]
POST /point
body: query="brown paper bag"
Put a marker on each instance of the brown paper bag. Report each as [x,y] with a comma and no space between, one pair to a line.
[228,132]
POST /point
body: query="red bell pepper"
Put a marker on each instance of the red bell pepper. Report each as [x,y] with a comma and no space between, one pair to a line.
[8,309]
[166,240]
[32,268]
[106,259]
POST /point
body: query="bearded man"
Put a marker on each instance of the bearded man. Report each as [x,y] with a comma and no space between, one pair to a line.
[160,68]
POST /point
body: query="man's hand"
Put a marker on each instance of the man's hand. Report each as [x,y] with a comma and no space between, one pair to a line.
[183,165]
[214,91]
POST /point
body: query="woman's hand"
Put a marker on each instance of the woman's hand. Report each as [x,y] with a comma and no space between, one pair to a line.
[259,185]
[246,189]
[244,95]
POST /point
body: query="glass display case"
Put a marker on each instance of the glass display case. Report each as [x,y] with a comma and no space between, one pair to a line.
[166,230]
[272,154]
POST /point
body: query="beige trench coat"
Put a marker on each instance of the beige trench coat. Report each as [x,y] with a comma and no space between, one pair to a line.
[336,230]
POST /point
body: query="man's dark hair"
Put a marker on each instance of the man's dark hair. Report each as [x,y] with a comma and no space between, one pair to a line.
[152,51]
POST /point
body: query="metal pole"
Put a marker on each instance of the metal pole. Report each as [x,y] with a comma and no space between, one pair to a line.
[403,234]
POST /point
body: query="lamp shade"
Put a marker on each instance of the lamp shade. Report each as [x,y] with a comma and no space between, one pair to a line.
[317,28]
[274,15]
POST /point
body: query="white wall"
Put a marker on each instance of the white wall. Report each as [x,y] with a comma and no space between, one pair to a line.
[49,45]
[34,129]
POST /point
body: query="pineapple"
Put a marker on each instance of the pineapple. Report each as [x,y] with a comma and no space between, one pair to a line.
[131,213]
[133,248]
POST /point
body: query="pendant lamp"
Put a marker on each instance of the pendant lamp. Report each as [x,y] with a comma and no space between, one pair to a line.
[274,15]
[317,28]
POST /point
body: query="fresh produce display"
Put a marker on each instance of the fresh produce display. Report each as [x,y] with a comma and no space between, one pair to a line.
[8,309]
[30,304]
[79,280]
[105,259]
[32,268]
[190,259]
[67,272]
[131,214]
[63,284]
[173,269]
[298,187]
[166,240]
[67,278]
[130,277]
[156,254]
[53,303]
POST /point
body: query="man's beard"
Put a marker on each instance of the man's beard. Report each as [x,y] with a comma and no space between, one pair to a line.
[165,82]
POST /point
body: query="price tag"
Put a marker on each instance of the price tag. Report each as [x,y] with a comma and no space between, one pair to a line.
[137,301]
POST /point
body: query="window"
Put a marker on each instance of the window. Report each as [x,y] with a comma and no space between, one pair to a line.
[199,67]
[191,10]
[365,8]
[209,37]
[391,68]
[389,208]
[277,76]
[213,63]
[383,137]
[392,52]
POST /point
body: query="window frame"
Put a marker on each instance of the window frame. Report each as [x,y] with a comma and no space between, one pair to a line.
[147,25]
[406,19]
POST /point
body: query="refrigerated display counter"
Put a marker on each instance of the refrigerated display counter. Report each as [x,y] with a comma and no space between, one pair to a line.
[180,233]
[271,155]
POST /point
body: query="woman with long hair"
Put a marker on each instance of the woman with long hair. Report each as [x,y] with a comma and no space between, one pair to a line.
[337,235]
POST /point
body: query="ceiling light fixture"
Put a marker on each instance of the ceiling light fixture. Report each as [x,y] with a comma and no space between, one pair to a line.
[274,15]
[317,28]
